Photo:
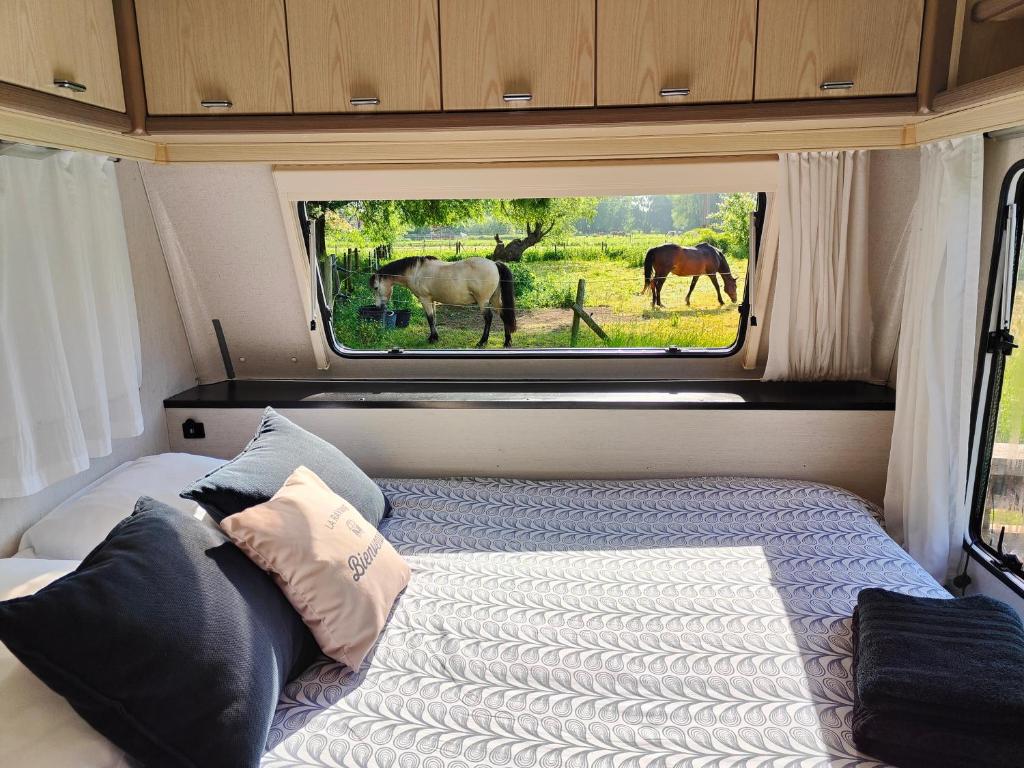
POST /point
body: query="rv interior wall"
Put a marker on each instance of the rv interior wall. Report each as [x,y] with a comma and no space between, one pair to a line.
[166,363]
[226,245]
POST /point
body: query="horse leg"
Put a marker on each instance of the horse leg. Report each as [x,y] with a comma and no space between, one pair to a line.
[659,282]
[714,282]
[428,309]
[689,293]
[488,317]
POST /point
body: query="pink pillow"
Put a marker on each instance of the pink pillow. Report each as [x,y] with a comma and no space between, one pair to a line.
[341,575]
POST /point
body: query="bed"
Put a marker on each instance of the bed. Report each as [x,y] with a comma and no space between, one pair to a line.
[605,624]
[653,623]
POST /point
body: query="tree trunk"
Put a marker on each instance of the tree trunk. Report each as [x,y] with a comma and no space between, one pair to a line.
[513,250]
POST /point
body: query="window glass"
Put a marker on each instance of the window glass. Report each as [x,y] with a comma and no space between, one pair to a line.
[998,521]
[651,271]
[1003,512]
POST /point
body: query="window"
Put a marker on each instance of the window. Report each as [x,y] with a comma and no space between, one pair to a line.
[997,524]
[581,274]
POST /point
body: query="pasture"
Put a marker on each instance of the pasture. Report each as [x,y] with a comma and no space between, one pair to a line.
[546,283]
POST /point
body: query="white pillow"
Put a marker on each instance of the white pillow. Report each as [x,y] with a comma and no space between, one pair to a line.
[72,529]
[37,726]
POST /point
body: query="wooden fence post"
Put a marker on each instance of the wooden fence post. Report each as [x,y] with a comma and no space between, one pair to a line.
[579,313]
[581,291]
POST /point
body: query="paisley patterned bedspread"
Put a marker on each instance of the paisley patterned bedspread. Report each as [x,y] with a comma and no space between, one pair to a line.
[699,622]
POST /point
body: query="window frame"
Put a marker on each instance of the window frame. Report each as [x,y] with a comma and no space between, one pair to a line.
[560,353]
[988,381]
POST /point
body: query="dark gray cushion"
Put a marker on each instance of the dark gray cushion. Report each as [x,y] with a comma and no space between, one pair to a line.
[278,449]
[167,639]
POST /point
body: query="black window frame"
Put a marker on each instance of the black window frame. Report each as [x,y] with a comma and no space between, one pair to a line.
[988,390]
[745,320]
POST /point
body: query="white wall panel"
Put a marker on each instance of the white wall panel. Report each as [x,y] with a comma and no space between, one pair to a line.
[845,448]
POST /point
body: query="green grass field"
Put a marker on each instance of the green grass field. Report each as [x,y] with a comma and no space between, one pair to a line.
[546,285]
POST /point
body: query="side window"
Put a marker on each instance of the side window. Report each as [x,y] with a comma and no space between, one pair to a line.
[997,523]
[650,274]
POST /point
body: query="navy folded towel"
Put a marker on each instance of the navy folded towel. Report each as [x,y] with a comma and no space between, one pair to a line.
[938,682]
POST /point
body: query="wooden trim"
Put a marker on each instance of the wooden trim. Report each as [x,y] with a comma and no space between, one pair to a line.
[537,118]
[16,97]
[994,87]
[534,149]
[957,44]
[46,131]
[997,10]
[992,115]
[131,65]
[936,46]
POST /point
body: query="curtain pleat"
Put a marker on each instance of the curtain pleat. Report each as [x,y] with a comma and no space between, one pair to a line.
[821,315]
[69,343]
[925,496]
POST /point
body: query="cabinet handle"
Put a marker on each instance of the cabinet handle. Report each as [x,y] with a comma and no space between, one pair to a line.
[216,104]
[509,97]
[369,101]
[667,92]
[837,85]
[71,85]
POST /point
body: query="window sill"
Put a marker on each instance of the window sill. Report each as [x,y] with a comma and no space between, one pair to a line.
[657,395]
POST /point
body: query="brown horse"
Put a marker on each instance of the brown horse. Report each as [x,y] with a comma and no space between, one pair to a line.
[702,259]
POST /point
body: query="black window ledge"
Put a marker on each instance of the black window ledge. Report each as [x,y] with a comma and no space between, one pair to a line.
[652,395]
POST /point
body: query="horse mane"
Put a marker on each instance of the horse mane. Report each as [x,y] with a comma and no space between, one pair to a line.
[723,263]
[403,265]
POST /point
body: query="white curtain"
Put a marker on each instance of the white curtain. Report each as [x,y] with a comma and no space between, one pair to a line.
[821,315]
[69,338]
[925,494]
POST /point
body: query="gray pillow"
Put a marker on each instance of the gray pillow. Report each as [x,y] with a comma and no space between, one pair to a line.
[278,449]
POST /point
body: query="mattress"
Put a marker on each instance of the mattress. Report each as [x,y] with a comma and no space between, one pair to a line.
[607,624]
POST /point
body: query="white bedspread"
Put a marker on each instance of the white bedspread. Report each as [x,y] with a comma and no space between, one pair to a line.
[607,624]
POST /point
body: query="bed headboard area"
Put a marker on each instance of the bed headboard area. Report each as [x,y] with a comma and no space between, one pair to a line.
[836,433]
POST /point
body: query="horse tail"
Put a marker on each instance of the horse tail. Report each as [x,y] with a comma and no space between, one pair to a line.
[648,269]
[508,296]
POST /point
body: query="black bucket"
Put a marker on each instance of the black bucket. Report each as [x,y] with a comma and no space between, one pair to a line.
[374,314]
[402,317]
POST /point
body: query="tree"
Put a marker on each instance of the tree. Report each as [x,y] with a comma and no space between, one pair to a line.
[384,221]
[732,219]
[540,217]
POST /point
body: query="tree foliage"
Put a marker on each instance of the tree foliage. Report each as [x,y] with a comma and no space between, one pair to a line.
[732,219]
[384,221]
[554,215]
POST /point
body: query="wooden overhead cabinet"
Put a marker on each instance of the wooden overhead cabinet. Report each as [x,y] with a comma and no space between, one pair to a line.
[497,54]
[811,49]
[205,57]
[63,47]
[675,51]
[360,56]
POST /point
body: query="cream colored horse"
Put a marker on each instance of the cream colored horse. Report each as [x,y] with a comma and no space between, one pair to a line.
[469,282]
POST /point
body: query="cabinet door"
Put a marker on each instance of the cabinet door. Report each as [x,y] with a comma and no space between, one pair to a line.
[62,47]
[364,55]
[230,54]
[809,49]
[675,51]
[497,54]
